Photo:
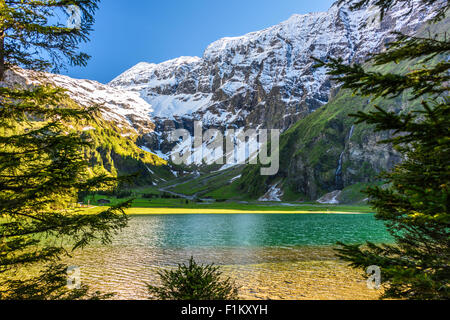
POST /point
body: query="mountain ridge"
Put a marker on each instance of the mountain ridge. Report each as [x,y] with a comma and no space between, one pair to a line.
[114,130]
[264,79]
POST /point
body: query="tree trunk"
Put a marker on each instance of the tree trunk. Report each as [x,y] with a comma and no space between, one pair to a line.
[2,55]
[2,41]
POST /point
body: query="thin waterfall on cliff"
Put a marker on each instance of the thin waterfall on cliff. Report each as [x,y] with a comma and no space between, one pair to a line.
[338,177]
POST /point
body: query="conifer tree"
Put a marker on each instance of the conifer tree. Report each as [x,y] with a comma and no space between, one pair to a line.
[193,281]
[414,204]
[42,168]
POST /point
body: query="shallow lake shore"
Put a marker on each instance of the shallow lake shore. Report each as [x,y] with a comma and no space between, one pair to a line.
[304,280]
[286,280]
[269,256]
[308,273]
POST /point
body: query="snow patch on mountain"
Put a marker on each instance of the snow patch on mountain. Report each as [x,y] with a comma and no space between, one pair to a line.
[126,108]
[156,153]
[273,195]
[330,198]
[166,106]
[271,66]
[264,79]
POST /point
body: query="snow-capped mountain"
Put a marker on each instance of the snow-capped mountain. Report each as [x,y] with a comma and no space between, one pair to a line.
[123,117]
[125,108]
[264,79]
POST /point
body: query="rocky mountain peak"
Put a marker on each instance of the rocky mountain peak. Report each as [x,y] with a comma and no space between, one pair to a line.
[264,78]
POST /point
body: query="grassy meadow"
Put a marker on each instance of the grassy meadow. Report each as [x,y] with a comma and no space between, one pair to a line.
[142,205]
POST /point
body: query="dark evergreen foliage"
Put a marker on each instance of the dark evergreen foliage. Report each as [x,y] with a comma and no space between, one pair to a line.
[414,204]
[33,36]
[194,282]
[42,167]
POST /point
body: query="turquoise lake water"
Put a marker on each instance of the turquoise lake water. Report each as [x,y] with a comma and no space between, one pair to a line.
[252,230]
[265,250]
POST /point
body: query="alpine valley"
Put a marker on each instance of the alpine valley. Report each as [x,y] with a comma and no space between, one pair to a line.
[264,79]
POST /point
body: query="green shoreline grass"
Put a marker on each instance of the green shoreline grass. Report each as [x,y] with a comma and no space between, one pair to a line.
[175,206]
[161,202]
[183,211]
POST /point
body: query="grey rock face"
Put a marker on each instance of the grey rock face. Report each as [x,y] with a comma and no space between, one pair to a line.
[265,78]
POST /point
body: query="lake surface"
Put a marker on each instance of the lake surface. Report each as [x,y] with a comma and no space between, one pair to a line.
[255,249]
[253,230]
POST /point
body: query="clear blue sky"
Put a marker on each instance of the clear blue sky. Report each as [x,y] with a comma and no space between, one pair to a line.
[130,31]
